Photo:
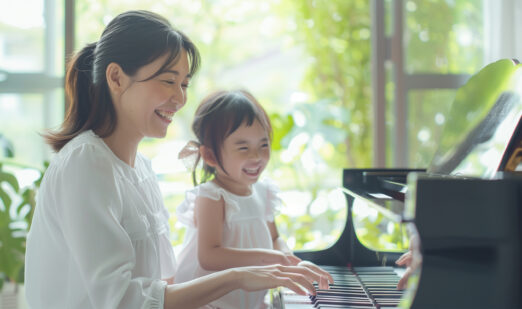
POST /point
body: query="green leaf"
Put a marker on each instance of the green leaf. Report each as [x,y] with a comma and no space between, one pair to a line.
[281,126]
[14,224]
[6,200]
[12,247]
[10,179]
[6,147]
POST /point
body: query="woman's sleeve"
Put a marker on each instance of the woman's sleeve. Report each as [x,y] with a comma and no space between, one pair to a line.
[273,200]
[91,212]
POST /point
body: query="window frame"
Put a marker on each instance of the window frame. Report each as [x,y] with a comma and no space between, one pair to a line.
[389,50]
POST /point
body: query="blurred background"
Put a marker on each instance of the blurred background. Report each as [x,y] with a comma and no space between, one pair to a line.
[347,83]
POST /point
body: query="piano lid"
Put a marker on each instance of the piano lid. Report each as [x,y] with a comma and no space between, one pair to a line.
[482,123]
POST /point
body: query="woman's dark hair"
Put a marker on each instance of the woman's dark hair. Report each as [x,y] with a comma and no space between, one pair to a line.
[219,115]
[132,40]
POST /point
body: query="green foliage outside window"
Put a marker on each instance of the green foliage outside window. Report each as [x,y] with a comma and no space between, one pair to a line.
[330,126]
[336,35]
[326,44]
[450,47]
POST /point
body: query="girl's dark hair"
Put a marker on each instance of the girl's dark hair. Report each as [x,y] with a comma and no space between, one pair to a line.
[219,115]
[132,40]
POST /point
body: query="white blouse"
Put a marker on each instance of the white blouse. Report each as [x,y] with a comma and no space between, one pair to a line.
[100,234]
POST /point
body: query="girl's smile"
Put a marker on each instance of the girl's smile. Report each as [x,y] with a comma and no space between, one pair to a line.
[254,172]
[245,154]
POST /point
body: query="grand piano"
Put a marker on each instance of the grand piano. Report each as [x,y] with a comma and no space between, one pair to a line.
[463,214]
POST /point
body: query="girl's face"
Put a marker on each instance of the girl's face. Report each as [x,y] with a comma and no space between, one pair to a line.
[245,154]
[146,107]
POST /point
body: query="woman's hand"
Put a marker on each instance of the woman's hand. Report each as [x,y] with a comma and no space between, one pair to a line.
[203,290]
[297,278]
[326,278]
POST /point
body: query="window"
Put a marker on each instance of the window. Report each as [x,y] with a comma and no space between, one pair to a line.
[31,75]
[309,63]
[422,52]
[247,44]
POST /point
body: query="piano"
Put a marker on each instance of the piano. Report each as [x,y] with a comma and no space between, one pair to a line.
[463,214]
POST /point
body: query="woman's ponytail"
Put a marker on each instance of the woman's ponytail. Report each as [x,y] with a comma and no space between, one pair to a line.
[79,92]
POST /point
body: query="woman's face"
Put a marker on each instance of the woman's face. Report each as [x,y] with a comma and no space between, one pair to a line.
[146,108]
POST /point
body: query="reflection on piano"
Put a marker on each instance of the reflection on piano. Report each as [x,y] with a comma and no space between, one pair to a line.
[466,210]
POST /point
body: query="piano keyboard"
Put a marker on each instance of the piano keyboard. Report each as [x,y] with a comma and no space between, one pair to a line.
[354,288]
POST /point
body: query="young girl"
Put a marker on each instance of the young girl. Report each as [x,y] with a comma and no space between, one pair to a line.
[100,233]
[230,218]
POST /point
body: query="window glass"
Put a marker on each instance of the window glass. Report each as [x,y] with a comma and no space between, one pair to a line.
[309,65]
[22,34]
[427,114]
[310,223]
[31,72]
[454,46]
[23,117]
[443,36]
[249,44]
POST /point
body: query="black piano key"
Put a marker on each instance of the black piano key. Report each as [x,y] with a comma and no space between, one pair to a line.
[347,300]
[345,306]
[340,294]
[343,303]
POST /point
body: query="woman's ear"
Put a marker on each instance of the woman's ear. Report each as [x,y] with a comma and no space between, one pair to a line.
[208,156]
[116,79]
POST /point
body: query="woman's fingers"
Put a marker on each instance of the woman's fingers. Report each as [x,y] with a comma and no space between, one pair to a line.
[312,273]
[296,282]
[325,280]
[297,278]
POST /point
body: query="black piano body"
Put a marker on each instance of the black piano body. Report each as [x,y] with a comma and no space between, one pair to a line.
[465,208]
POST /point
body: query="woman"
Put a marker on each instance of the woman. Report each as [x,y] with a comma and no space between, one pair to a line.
[99,236]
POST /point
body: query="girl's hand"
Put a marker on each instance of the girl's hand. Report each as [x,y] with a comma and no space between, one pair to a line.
[297,278]
[411,259]
[404,260]
[401,285]
[326,278]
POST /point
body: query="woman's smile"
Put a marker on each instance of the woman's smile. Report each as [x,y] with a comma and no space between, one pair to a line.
[166,116]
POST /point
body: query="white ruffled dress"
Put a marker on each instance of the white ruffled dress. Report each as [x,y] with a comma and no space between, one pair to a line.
[244,227]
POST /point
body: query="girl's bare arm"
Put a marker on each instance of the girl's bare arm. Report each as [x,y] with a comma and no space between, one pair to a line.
[212,255]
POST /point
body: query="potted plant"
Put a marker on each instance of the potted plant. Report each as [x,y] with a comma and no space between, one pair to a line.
[16,210]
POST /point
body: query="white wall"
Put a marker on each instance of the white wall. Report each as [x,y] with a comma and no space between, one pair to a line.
[502,30]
